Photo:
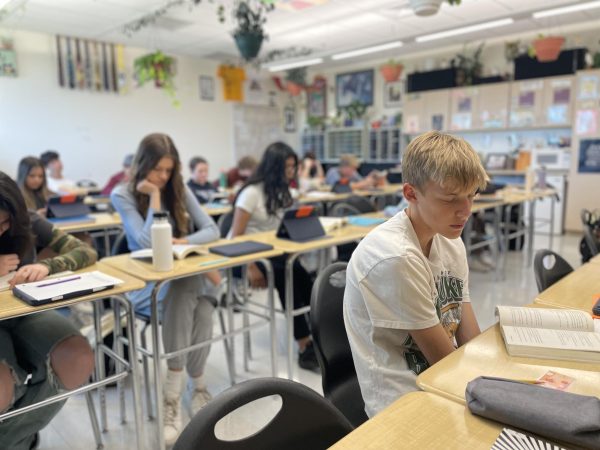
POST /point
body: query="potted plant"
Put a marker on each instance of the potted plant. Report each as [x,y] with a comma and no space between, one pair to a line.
[249,34]
[391,70]
[469,66]
[159,68]
[547,48]
[429,7]
[354,113]
[295,80]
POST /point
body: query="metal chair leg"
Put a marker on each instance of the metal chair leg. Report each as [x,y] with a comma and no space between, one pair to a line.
[149,408]
[228,354]
[94,420]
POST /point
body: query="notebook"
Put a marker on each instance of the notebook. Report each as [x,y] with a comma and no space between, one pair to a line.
[4,286]
[240,248]
[515,440]
[63,288]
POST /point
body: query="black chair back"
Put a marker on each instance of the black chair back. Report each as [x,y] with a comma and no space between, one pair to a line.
[120,245]
[340,383]
[352,206]
[224,223]
[305,421]
[549,267]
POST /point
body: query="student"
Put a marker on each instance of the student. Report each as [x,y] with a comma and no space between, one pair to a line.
[198,183]
[311,174]
[259,207]
[239,174]
[406,303]
[119,177]
[31,179]
[55,179]
[347,173]
[156,185]
[44,345]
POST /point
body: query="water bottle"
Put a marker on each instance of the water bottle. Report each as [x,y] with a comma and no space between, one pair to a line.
[223,180]
[162,242]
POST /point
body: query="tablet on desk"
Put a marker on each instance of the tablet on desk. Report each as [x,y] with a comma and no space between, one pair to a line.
[301,224]
[67,206]
[240,248]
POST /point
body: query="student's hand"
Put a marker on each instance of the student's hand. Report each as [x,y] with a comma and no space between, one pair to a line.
[42,212]
[8,263]
[29,273]
[180,241]
[145,187]
[256,277]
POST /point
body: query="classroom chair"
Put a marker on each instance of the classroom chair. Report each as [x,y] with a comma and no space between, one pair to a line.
[305,421]
[340,383]
[352,206]
[590,220]
[549,267]
[224,223]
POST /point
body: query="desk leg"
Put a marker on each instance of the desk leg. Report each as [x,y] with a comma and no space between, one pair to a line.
[531,232]
[272,325]
[100,369]
[106,242]
[229,346]
[498,244]
[118,348]
[552,205]
[289,311]
[157,359]
[135,372]
[246,320]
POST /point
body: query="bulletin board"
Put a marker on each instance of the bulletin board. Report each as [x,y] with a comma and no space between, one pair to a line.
[254,128]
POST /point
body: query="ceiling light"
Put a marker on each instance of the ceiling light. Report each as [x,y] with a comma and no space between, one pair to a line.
[566,9]
[465,30]
[364,51]
[293,65]
[3,3]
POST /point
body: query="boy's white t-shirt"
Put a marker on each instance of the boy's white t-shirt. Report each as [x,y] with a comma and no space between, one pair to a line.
[391,287]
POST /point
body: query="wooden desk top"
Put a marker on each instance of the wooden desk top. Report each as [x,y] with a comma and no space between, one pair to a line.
[102,221]
[420,420]
[595,260]
[328,196]
[217,210]
[10,306]
[486,355]
[577,290]
[188,266]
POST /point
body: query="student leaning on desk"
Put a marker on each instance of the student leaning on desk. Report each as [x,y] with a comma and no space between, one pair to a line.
[156,184]
[406,303]
[44,345]
[347,173]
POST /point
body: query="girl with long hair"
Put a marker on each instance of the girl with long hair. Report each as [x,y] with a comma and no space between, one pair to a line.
[259,207]
[43,353]
[31,178]
[187,307]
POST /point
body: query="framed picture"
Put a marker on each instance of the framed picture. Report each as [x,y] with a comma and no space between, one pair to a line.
[207,88]
[289,119]
[392,94]
[354,86]
[589,156]
[496,161]
[317,98]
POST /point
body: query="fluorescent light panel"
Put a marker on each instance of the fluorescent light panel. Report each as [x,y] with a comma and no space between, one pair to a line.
[364,51]
[293,65]
[3,3]
[566,9]
[464,30]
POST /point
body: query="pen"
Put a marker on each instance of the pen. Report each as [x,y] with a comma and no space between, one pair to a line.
[58,282]
[214,261]
[530,381]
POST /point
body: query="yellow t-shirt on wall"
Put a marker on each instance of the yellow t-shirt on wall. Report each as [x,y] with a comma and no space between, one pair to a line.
[233,79]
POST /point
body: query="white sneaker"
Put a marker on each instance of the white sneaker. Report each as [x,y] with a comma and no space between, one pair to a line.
[172,421]
[476,265]
[200,397]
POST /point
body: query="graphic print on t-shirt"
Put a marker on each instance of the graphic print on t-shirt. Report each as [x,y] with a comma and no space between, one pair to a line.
[448,303]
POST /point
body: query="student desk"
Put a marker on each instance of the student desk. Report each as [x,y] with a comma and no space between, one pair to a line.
[193,265]
[486,355]
[216,209]
[103,222]
[343,235]
[576,290]
[11,307]
[595,260]
[420,420]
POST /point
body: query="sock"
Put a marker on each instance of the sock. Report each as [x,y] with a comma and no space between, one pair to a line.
[198,383]
[173,384]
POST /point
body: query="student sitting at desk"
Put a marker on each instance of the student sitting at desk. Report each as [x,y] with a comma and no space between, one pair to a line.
[41,354]
[347,173]
[406,303]
[156,185]
[238,175]
[259,207]
[119,177]
[31,179]
[198,183]
[311,174]
[55,179]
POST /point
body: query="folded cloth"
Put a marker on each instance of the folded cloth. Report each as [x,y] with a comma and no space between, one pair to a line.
[559,415]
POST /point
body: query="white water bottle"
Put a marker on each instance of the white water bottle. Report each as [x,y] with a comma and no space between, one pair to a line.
[162,242]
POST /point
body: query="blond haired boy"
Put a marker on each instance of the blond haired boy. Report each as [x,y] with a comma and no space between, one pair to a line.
[406,303]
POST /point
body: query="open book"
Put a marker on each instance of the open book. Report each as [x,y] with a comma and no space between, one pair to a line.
[180,251]
[332,223]
[565,334]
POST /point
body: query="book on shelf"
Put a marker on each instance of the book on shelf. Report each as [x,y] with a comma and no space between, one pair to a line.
[565,334]
[180,251]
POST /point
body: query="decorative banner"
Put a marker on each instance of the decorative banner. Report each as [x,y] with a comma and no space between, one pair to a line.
[90,65]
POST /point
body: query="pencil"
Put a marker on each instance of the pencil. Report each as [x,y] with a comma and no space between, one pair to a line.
[530,381]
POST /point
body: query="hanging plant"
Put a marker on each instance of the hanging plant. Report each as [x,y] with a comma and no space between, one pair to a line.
[249,33]
[391,70]
[295,80]
[429,7]
[546,48]
[159,68]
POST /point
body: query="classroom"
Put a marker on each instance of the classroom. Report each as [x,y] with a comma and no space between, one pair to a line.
[240,224]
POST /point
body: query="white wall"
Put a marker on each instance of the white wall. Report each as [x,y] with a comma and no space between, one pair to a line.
[93,131]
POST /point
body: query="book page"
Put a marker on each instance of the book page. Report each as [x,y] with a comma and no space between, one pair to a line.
[559,339]
[182,250]
[558,319]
